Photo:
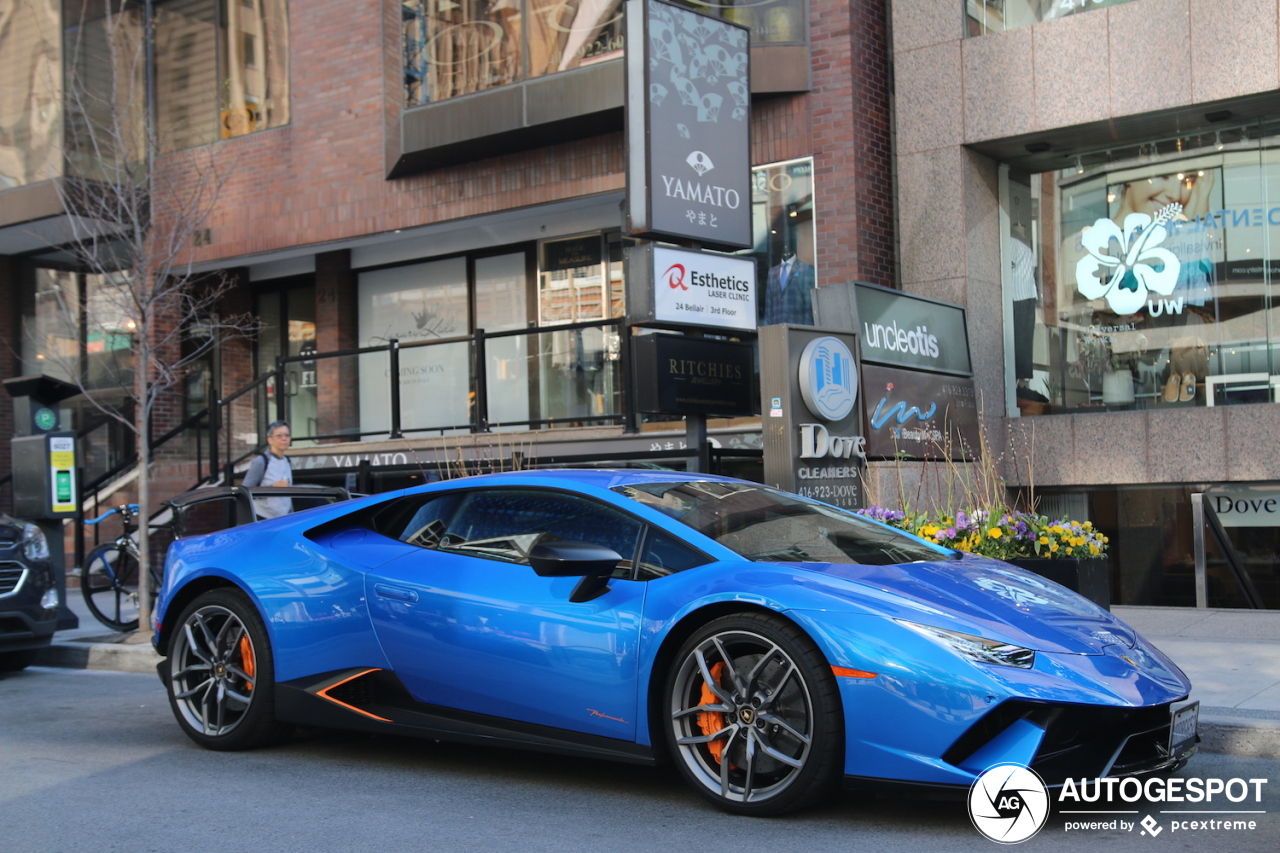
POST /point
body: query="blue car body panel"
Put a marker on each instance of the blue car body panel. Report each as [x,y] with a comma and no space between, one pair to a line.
[493,638]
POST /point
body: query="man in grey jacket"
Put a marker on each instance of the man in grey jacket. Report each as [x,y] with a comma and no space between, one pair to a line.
[272,469]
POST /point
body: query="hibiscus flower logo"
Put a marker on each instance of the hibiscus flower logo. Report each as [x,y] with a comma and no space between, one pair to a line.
[1125,264]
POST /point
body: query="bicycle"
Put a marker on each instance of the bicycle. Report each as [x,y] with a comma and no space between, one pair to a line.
[109,579]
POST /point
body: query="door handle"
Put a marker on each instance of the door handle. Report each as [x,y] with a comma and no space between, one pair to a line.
[399,593]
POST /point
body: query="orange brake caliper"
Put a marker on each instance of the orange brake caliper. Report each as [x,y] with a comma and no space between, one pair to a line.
[712,721]
[246,659]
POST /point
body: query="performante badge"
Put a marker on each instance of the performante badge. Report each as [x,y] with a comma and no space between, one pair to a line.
[1008,803]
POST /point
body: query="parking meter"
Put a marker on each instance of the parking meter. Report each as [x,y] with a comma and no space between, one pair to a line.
[45,473]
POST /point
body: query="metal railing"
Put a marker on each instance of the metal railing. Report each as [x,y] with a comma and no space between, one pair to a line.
[1204,518]
[214,442]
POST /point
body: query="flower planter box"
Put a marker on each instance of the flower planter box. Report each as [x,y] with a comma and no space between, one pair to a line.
[1091,577]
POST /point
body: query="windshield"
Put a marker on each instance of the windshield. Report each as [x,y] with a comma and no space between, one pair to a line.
[770,526]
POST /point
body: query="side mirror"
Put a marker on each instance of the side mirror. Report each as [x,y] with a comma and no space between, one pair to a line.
[593,563]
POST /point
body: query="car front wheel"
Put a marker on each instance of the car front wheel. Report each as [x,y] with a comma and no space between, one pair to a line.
[753,715]
[221,674]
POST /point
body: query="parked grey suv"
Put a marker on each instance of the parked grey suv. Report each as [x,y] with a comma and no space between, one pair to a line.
[28,593]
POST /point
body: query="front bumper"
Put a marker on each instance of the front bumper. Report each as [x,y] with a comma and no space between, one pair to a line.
[1074,741]
[18,630]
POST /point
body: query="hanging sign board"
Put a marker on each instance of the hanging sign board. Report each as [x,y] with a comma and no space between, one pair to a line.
[902,330]
[919,415]
[688,119]
[679,288]
[677,375]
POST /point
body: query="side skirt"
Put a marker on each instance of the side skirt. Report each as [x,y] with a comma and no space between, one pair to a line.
[374,700]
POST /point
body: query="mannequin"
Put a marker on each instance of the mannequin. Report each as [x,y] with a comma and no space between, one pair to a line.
[788,294]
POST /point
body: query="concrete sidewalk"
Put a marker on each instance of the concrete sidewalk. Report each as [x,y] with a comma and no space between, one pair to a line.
[1231,656]
[1233,660]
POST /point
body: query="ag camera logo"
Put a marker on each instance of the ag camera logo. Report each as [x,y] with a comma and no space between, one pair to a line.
[1008,803]
[828,380]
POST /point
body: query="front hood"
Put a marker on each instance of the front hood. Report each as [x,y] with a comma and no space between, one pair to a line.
[980,596]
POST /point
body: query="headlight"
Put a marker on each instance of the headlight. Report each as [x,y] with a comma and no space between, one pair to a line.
[975,648]
[49,601]
[34,545]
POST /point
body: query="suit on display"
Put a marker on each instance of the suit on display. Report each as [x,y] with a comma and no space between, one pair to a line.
[788,293]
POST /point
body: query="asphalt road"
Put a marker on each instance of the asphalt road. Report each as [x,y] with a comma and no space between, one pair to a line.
[93,761]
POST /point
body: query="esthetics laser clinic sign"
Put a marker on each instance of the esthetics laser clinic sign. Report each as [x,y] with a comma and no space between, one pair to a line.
[681,288]
[688,116]
[901,330]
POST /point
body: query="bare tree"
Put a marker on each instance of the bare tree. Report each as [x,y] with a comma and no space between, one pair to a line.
[135,214]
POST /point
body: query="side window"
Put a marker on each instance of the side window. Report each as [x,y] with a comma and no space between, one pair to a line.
[665,555]
[419,520]
[505,524]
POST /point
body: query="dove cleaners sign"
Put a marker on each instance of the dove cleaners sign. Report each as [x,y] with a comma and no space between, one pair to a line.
[688,126]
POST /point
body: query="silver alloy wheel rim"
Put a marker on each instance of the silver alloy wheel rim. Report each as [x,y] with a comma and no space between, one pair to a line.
[766,712]
[209,682]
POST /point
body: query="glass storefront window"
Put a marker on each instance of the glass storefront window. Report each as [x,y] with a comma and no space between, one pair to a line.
[109,332]
[413,304]
[782,220]
[996,16]
[51,326]
[1152,548]
[1147,282]
[575,281]
[453,49]
[222,69]
[78,328]
[30,93]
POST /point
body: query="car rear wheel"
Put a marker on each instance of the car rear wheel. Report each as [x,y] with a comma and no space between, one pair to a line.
[753,716]
[221,674]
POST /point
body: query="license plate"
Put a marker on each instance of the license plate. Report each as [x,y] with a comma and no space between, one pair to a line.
[1182,732]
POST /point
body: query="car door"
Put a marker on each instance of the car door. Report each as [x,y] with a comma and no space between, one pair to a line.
[467,623]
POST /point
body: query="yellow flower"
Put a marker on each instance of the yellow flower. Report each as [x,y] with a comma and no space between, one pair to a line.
[995,533]
[1093,550]
[1044,540]
[1053,547]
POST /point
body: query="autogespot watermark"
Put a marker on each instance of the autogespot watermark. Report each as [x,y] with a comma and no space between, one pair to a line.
[1009,803]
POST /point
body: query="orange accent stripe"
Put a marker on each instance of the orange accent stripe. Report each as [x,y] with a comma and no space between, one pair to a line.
[845,672]
[325,693]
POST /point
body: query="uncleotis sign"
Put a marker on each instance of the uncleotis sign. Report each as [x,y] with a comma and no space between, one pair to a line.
[688,126]
[904,330]
[811,438]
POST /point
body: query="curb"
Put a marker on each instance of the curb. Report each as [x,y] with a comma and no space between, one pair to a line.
[119,657]
[1239,736]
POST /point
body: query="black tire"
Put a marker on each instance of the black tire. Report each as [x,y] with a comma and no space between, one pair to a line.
[19,660]
[222,674]
[774,713]
[109,584]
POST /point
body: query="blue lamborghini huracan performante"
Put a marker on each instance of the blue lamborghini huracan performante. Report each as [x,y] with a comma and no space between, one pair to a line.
[769,645]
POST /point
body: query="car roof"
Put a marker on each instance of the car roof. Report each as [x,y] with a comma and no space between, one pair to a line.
[601,478]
